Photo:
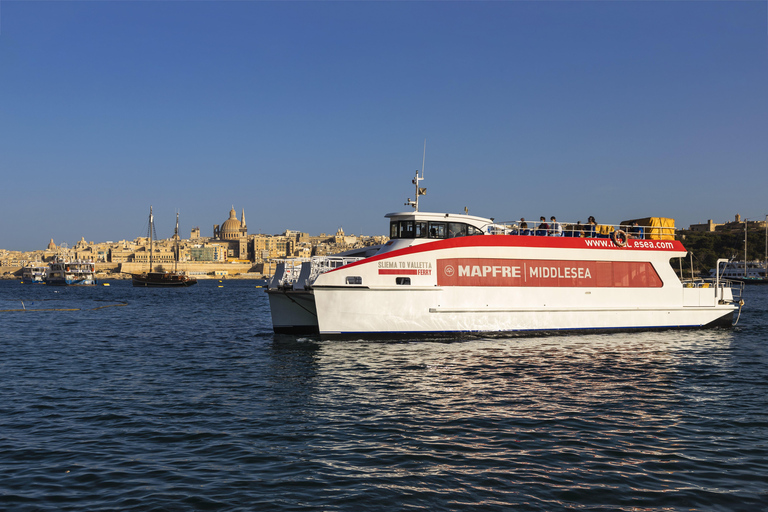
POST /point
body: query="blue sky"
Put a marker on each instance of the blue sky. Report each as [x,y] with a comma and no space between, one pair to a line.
[313,115]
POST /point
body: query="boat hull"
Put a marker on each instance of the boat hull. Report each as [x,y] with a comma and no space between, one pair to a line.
[341,313]
[162,280]
[293,311]
[72,282]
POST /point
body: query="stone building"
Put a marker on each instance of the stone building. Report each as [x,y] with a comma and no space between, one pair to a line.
[737,224]
[235,233]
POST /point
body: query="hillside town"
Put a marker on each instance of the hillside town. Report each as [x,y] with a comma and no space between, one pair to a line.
[231,250]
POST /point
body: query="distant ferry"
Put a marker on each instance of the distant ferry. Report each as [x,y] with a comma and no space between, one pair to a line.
[64,271]
[754,272]
[443,274]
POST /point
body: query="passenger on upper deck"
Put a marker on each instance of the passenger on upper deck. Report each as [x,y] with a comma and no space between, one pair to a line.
[637,231]
[591,231]
[576,230]
[524,227]
[555,229]
[543,227]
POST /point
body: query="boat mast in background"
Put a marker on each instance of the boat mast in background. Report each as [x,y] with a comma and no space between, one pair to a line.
[151,238]
[746,222]
[176,237]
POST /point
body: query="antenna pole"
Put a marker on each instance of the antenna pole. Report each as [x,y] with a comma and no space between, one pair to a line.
[419,191]
[424,158]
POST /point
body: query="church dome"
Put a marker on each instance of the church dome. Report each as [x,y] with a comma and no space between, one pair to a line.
[230,230]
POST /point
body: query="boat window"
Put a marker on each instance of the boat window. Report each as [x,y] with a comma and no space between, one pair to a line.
[456,229]
[354,280]
[437,230]
[472,231]
[403,280]
[407,229]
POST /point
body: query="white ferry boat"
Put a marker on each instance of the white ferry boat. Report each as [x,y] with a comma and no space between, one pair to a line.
[755,272]
[448,274]
[64,271]
[34,273]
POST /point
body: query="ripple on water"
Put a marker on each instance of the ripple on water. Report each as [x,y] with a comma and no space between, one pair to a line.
[186,401]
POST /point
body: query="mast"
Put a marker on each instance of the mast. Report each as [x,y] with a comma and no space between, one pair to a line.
[151,248]
[176,236]
[419,191]
[745,247]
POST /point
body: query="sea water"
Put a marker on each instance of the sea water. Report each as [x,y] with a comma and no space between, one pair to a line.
[122,398]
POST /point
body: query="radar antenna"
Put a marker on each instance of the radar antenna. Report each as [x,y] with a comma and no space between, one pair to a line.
[419,190]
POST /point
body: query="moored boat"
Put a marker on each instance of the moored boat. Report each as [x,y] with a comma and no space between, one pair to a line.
[745,271]
[65,271]
[446,274]
[752,272]
[165,279]
[34,273]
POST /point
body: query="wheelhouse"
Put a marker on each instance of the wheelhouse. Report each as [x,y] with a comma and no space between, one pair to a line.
[430,229]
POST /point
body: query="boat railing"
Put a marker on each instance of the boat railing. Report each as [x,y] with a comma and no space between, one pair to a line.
[718,285]
[300,273]
[579,230]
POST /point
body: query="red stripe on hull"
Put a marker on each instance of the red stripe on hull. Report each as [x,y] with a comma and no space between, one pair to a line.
[549,242]
[546,273]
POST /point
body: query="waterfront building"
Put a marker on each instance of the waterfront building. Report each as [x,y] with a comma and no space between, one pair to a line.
[737,224]
[230,244]
[235,233]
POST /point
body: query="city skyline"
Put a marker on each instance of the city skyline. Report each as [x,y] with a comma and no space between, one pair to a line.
[313,116]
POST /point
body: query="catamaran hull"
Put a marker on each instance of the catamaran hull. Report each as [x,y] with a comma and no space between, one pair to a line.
[342,313]
[293,312]
[348,313]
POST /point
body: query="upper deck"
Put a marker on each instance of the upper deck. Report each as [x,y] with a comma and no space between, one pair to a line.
[407,229]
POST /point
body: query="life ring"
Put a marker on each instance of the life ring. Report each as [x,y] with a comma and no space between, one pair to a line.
[619,237]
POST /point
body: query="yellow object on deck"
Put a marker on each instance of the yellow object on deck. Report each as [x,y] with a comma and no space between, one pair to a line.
[656,228]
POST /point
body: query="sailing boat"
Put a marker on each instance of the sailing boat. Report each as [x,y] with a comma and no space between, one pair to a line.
[167,279]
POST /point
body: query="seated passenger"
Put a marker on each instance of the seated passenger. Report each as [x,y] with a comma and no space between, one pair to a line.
[555,229]
[576,230]
[524,227]
[637,231]
[543,227]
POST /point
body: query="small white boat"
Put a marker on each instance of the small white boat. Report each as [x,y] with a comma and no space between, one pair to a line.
[34,273]
[754,272]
